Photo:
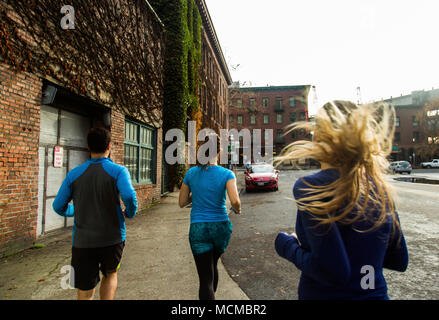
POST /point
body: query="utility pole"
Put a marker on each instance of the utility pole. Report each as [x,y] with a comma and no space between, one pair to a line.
[359,96]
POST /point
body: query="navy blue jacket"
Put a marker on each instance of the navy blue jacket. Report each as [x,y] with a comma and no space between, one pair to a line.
[96,188]
[334,259]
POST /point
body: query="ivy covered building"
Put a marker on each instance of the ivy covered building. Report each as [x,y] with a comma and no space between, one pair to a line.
[137,68]
[196,76]
[104,69]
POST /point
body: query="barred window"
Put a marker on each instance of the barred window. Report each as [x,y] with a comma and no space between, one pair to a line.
[139,152]
[265,102]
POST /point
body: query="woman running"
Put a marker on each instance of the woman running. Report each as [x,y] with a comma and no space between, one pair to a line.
[347,229]
[210,228]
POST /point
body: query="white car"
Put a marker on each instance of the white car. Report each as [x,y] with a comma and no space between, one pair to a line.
[400,167]
[432,164]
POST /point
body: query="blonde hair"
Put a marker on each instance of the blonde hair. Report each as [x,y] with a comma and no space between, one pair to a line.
[356,140]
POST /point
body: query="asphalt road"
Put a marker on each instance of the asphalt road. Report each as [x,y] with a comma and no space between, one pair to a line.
[253,263]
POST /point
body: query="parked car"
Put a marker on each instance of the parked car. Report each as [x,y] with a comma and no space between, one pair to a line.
[432,164]
[261,176]
[400,167]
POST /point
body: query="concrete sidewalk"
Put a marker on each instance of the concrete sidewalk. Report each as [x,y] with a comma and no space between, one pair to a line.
[157,262]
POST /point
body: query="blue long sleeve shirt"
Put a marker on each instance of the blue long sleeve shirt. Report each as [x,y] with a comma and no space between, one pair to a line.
[335,259]
[96,188]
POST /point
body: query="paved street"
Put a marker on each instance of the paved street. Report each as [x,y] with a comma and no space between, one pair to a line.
[253,263]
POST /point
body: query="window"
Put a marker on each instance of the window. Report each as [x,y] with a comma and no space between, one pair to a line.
[279,133]
[302,132]
[239,103]
[302,116]
[252,102]
[293,117]
[265,102]
[239,118]
[279,118]
[293,134]
[278,102]
[231,103]
[415,136]
[266,118]
[397,122]
[397,137]
[292,102]
[252,119]
[139,152]
[415,122]
[231,118]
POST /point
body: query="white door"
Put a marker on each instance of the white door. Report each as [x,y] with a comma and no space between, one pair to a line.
[68,130]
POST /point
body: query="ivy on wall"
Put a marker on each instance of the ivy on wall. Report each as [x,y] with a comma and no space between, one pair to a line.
[114,55]
[182,21]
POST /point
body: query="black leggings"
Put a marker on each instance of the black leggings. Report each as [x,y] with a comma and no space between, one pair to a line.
[207,273]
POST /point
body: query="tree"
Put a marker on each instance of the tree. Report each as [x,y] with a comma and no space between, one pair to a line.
[428,120]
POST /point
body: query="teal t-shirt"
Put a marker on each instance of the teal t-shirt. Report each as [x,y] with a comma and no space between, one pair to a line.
[208,187]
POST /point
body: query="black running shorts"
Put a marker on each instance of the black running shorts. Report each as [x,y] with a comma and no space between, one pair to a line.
[87,262]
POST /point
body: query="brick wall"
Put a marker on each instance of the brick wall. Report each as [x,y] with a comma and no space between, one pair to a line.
[20,96]
[146,193]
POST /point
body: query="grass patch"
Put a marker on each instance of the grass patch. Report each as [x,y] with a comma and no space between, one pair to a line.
[38,246]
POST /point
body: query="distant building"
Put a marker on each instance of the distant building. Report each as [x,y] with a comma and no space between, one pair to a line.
[270,107]
[408,133]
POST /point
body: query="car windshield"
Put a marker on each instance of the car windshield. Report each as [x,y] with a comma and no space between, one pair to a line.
[261,169]
[405,163]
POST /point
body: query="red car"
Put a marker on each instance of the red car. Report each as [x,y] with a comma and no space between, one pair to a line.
[261,176]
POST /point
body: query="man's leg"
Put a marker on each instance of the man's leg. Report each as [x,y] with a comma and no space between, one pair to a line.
[108,286]
[110,263]
[85,272]
[86,294]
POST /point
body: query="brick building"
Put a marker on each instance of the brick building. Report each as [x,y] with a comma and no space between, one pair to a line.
[41,120]
[214,75]
[408,133]
[271,107]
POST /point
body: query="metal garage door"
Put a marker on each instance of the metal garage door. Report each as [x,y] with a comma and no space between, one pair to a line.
[62,129]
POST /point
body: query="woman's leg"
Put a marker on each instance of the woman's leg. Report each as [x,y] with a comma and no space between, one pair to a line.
[205,268]
[216,257]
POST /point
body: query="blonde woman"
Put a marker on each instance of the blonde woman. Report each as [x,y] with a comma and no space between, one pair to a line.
[347,229]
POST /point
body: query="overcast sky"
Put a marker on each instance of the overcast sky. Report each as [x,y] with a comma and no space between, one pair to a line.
[385,47]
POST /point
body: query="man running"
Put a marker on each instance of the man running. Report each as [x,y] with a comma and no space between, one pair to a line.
[99,224]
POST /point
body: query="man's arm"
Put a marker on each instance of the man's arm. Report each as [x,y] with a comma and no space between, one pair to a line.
[61,203]
[127,193]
